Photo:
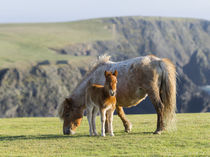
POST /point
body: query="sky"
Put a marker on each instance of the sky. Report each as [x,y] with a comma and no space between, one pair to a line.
[27,11]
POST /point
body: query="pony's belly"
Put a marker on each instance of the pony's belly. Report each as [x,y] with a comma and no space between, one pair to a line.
[128,99]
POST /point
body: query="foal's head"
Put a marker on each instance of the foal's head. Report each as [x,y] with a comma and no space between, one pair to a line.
[111,82]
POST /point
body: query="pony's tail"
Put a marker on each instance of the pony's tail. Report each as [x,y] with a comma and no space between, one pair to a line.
[168,93]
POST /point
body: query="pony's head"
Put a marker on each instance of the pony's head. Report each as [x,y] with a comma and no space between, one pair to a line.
[111,82]
[71,116]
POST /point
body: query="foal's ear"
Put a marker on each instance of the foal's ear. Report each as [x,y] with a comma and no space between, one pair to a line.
[115,73]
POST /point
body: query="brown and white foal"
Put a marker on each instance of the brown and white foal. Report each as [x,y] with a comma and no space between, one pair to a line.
[103,99]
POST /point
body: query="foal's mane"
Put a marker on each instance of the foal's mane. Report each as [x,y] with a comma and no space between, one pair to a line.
[100,61]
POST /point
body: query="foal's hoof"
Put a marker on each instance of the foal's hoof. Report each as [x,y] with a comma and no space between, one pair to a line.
[112,134]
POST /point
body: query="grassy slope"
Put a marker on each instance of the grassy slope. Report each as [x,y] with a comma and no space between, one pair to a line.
[43,137]
[31,42]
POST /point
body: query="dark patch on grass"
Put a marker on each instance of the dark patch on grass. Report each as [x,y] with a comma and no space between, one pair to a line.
[38,137]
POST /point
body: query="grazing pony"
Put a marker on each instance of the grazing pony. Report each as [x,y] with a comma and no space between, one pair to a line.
[137,78]
[102,98]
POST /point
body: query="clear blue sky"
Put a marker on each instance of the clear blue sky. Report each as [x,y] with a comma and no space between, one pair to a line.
[70,10]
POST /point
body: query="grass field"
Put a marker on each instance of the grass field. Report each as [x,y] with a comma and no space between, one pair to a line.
[32,42]
[43,137]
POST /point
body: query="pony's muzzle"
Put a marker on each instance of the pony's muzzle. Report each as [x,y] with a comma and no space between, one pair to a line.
[68,131]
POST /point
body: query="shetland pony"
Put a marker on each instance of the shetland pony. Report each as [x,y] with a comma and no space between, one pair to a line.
[102,98]
[137,78]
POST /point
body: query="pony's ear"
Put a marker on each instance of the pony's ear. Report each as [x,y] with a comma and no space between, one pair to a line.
[106,73]
[115,73]
[69,101]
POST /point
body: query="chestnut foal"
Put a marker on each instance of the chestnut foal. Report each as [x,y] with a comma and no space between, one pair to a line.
[103,99]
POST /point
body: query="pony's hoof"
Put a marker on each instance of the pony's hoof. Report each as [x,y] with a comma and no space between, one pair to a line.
[95,134]
[157,132]
[103,135]
[112,134]
[128,127]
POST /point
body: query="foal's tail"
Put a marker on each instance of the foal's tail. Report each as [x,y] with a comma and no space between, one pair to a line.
[168,93]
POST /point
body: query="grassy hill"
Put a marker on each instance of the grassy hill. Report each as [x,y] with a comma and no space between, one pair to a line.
[20,43]
[43,137]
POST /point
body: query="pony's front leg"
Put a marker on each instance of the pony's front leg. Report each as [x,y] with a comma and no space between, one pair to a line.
[103,119]
[95,112]
[121,114]
[89,117]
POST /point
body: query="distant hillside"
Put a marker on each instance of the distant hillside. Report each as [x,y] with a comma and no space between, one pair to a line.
[49,59]
[26,43]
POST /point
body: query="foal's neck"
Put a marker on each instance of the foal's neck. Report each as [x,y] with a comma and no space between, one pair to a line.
[105,92]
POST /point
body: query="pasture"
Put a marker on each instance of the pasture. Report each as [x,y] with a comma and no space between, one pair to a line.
[28,43]
[43,137]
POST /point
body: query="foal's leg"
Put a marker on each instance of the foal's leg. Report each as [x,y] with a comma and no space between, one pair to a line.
[106,124]
[110,113]
[103,118]
[89,117]
[126,122]
[95,112]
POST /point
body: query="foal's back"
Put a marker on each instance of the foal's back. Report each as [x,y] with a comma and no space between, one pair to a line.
[95,93]
[99,97]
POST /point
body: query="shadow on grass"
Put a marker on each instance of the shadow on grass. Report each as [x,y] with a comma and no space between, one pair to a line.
[38,137]
[53,136]
[140,133]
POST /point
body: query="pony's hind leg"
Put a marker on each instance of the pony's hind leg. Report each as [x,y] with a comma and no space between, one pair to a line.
[159,107]
[89,117]
[121,114]
[94,114]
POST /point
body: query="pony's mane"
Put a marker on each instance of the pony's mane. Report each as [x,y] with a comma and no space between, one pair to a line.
[100,61]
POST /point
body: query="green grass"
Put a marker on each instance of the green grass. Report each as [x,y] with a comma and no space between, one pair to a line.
[32,42]
[43,137]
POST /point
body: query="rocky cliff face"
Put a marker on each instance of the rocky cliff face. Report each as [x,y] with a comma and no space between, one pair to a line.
[198,68]
[37,90]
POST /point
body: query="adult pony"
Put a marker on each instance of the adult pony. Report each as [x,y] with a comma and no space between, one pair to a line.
[137,78]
